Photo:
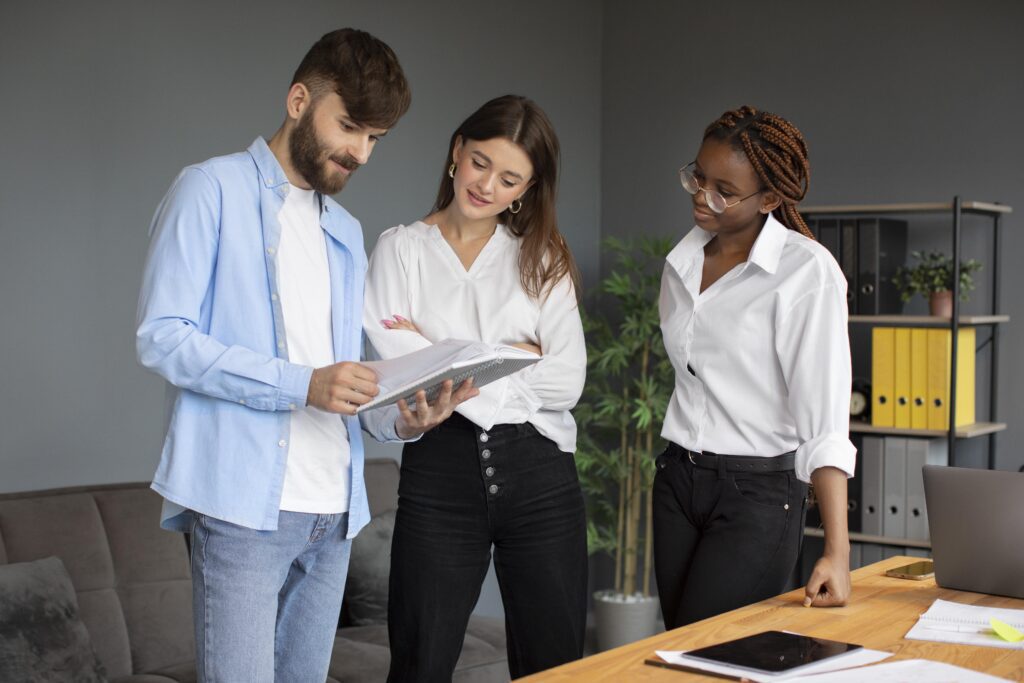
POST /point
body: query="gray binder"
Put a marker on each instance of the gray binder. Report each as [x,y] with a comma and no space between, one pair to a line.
[871,485]
[894,488]
[870,553]
[848,260]
[855,559]
[921,452]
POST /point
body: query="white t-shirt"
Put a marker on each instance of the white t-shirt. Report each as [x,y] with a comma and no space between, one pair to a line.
[416,274]
[768,348]
[317,473]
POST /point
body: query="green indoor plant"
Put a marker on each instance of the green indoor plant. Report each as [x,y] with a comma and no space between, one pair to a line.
[932,278]
[629,382]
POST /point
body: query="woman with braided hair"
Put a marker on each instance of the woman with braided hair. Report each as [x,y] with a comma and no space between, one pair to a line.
[753,313]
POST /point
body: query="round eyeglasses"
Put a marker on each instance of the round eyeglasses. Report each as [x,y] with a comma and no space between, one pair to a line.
[716,202]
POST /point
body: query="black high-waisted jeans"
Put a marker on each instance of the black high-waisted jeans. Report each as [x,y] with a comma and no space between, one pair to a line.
[462,492]
[722,539]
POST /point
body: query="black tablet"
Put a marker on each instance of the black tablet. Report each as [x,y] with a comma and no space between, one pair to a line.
[772,651]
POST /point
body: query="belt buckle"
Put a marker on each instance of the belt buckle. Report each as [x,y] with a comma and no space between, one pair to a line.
[689,454]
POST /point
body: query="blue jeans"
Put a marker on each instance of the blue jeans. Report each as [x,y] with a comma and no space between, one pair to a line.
[266,603]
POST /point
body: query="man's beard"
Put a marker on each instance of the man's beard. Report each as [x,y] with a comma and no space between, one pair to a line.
[312,159]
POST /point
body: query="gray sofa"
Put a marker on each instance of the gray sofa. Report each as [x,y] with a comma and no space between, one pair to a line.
[133,587]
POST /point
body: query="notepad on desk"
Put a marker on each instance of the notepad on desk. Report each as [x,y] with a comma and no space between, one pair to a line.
[452,359]
[954,622]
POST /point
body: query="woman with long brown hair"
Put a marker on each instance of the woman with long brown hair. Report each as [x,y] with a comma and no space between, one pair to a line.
[488,264]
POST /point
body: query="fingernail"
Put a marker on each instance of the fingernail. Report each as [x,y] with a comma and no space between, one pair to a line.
[386,323]
[399,318]
[807,602]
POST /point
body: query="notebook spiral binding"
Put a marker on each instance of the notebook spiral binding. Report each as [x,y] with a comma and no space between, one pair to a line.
[479,373]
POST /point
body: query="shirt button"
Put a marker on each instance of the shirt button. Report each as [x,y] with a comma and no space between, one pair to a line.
[270,250]
[291,406]
[282,443]
[484,437]
[273,297]
[493,488]
[280,344]
[242,401]
[485,454]
[489,471]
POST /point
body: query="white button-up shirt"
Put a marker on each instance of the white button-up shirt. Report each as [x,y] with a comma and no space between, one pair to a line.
[415,273]
[762,356]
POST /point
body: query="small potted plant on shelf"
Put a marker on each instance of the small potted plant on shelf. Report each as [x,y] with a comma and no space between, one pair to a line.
[629,382]
[932,278]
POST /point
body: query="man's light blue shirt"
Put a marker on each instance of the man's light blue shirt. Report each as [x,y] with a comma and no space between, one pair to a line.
[210,323]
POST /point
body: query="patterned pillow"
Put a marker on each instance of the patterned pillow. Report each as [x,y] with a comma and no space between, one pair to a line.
[41,636]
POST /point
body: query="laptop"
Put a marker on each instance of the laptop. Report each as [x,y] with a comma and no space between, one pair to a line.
[976,521]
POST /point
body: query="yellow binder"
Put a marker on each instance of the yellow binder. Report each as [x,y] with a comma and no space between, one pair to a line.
[939,354]
[882,376]
[919,378]
[901,381]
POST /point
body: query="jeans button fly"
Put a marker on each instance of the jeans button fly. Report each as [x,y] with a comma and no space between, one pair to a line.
[489,471]
[484,437]
[493,488]
[486,454]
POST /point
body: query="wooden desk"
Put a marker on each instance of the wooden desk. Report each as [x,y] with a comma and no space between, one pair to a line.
[880,613]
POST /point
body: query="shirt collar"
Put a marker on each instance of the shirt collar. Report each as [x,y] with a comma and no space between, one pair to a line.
[270,169]
[272,174]
[766,252]
[767,249]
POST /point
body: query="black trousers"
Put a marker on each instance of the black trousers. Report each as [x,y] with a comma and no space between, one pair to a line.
[462,492]
[722,539]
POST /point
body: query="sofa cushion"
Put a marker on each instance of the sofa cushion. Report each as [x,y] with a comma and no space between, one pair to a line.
[361,654]
[41,636]
[366,589]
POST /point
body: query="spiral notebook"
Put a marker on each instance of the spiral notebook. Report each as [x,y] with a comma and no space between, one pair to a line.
[954,622]
[455,359]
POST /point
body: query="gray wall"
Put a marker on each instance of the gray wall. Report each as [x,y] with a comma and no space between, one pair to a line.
[899,102]
[105,102]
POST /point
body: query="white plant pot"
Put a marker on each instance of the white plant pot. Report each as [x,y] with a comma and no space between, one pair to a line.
[622,619]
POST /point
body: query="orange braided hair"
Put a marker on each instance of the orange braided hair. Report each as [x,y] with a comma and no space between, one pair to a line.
[778,153]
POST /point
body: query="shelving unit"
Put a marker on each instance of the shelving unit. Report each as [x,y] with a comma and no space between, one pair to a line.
[928,320]
[858,537]
[963,432]
[956,210]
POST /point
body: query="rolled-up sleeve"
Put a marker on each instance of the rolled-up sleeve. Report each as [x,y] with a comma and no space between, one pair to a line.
[813,347]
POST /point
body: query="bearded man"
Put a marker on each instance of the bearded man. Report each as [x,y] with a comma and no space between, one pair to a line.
[251,309]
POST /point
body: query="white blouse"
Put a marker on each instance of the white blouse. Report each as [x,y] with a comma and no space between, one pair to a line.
[416,274]
[762,356]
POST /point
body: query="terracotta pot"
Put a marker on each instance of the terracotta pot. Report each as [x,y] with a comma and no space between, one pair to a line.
[941,304]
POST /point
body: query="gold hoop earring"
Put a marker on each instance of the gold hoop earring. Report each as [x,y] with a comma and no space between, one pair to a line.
[513,209]
[451,171]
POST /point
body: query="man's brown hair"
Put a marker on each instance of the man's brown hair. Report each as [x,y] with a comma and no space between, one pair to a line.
[363,71]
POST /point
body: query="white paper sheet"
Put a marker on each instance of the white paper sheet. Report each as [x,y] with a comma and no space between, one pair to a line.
[905,671]
[953,622]
[859,657]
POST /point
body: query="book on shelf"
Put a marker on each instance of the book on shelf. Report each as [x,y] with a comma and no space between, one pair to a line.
[452,359]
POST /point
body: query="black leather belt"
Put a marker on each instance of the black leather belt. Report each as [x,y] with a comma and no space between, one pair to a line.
[740,463]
